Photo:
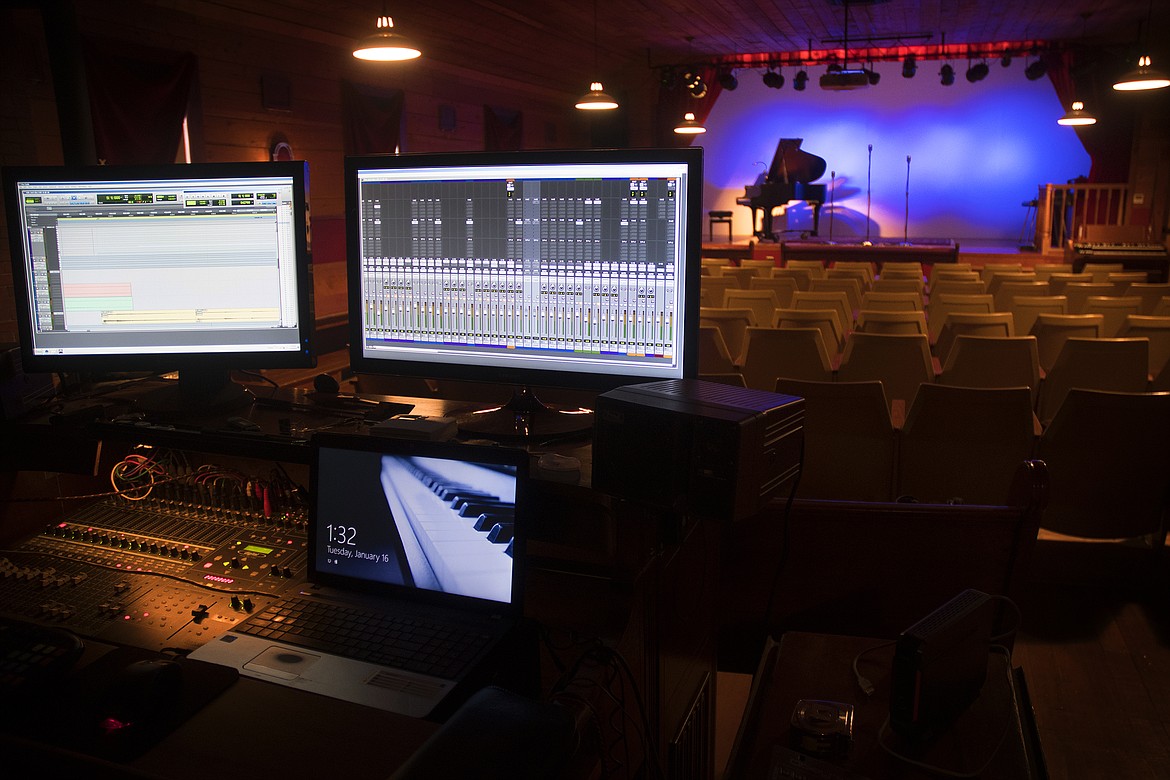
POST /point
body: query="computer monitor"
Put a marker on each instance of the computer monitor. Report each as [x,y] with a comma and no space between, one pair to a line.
[199,268]
[569,268]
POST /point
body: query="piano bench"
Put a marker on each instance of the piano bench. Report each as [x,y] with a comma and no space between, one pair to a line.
[716,217]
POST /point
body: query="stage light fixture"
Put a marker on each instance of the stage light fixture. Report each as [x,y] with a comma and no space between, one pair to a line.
[668,79]
[800,80]
[728,81]
[947,75]
[1005,60]
[909,67]
[873,76]
[1035,70]
[695,85]
[977,72]
[773,79]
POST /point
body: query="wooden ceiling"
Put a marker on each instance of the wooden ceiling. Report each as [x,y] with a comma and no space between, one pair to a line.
[552,43]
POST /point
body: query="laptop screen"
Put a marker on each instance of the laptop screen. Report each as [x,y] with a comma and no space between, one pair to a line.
[408,516]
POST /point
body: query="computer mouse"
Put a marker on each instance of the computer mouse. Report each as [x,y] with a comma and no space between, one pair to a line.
[140,692]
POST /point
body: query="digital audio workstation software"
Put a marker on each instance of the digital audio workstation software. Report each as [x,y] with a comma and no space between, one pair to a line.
[170,266]
[556,266]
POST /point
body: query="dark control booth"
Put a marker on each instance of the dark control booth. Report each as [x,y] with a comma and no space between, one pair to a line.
[152,520]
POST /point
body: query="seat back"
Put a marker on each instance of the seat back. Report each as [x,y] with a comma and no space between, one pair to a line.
[1100,271]
[1052,330]
[732,323]
[900,362]
[1058,281]
[794,353]
[902,269]
[848,440]
[765,263]
[803,276]
[949,274]
[1157,330]
[1121,280]
[827,321]
[944,303]
[991,270]
[891,301]
[862,272]
[711,289]
[1024,309]
[1007,290]
[1121,489]
[1119,365]
[714,357]
[743,275]
[891,322]
[815,268]
[964,444]
[763,303]
[898,284]
[1114,310]
[1150,293]
[958,323]
[850,286]
[993,361]
[784,287]
[1079,293]
[973,286]
[833,299]
[1045,271]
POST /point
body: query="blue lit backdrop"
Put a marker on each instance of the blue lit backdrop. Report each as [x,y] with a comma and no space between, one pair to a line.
[978,151]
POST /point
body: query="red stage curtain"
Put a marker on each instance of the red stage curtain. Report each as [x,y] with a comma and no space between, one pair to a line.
[675,101]
[372,117]
[138,96]
[503,129]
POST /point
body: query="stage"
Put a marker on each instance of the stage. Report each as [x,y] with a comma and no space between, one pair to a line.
[978,252]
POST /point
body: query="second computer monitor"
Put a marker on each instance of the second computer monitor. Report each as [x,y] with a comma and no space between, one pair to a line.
[571,269]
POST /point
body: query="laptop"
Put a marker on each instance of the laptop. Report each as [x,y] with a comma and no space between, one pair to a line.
[430,533]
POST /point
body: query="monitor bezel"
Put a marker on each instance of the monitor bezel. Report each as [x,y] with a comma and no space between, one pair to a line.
[161,361]
[360,363]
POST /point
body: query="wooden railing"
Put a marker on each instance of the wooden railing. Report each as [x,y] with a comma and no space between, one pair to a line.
[1084,212]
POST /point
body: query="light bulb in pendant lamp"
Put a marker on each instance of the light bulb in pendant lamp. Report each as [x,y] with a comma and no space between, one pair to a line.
[1143,78]
[1077,116]
[689,125]
[386,45]
[596,99]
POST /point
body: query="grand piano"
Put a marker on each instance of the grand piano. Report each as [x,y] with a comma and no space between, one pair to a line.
[788,179]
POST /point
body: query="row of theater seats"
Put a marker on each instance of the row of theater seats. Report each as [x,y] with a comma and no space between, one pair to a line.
[905,339]
[1106,453]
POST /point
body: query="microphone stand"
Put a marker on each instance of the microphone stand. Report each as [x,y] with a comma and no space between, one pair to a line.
[868,190]
[906,225]
[832,198]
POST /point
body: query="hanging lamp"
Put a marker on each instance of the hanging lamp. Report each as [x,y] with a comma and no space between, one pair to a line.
[386,45]
[1142,78]
[596,98]
[689,125]
[1077,116]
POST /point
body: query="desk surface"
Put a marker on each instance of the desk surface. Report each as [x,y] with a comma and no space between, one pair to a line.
[819,666]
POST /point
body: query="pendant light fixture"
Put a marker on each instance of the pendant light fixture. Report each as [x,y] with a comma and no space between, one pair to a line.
[689,125]
[1144,77]
[386,45]
[596,98]
[1077,116]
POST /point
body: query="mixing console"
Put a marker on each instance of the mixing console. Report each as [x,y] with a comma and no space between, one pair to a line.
[170,567]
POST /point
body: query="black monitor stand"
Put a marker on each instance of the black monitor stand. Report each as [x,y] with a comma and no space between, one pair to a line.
[198,390]
[525,416]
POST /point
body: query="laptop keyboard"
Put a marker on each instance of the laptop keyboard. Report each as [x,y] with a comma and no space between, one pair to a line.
[402,641]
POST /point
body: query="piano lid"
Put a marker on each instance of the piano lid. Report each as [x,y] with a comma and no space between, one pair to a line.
[791,164]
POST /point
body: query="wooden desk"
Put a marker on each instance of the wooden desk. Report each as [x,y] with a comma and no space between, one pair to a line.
[819,666]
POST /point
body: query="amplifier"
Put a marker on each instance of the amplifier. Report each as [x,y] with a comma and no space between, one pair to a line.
[702,448]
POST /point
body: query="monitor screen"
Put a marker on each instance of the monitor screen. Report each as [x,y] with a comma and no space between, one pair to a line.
[201,268]
[574,269]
